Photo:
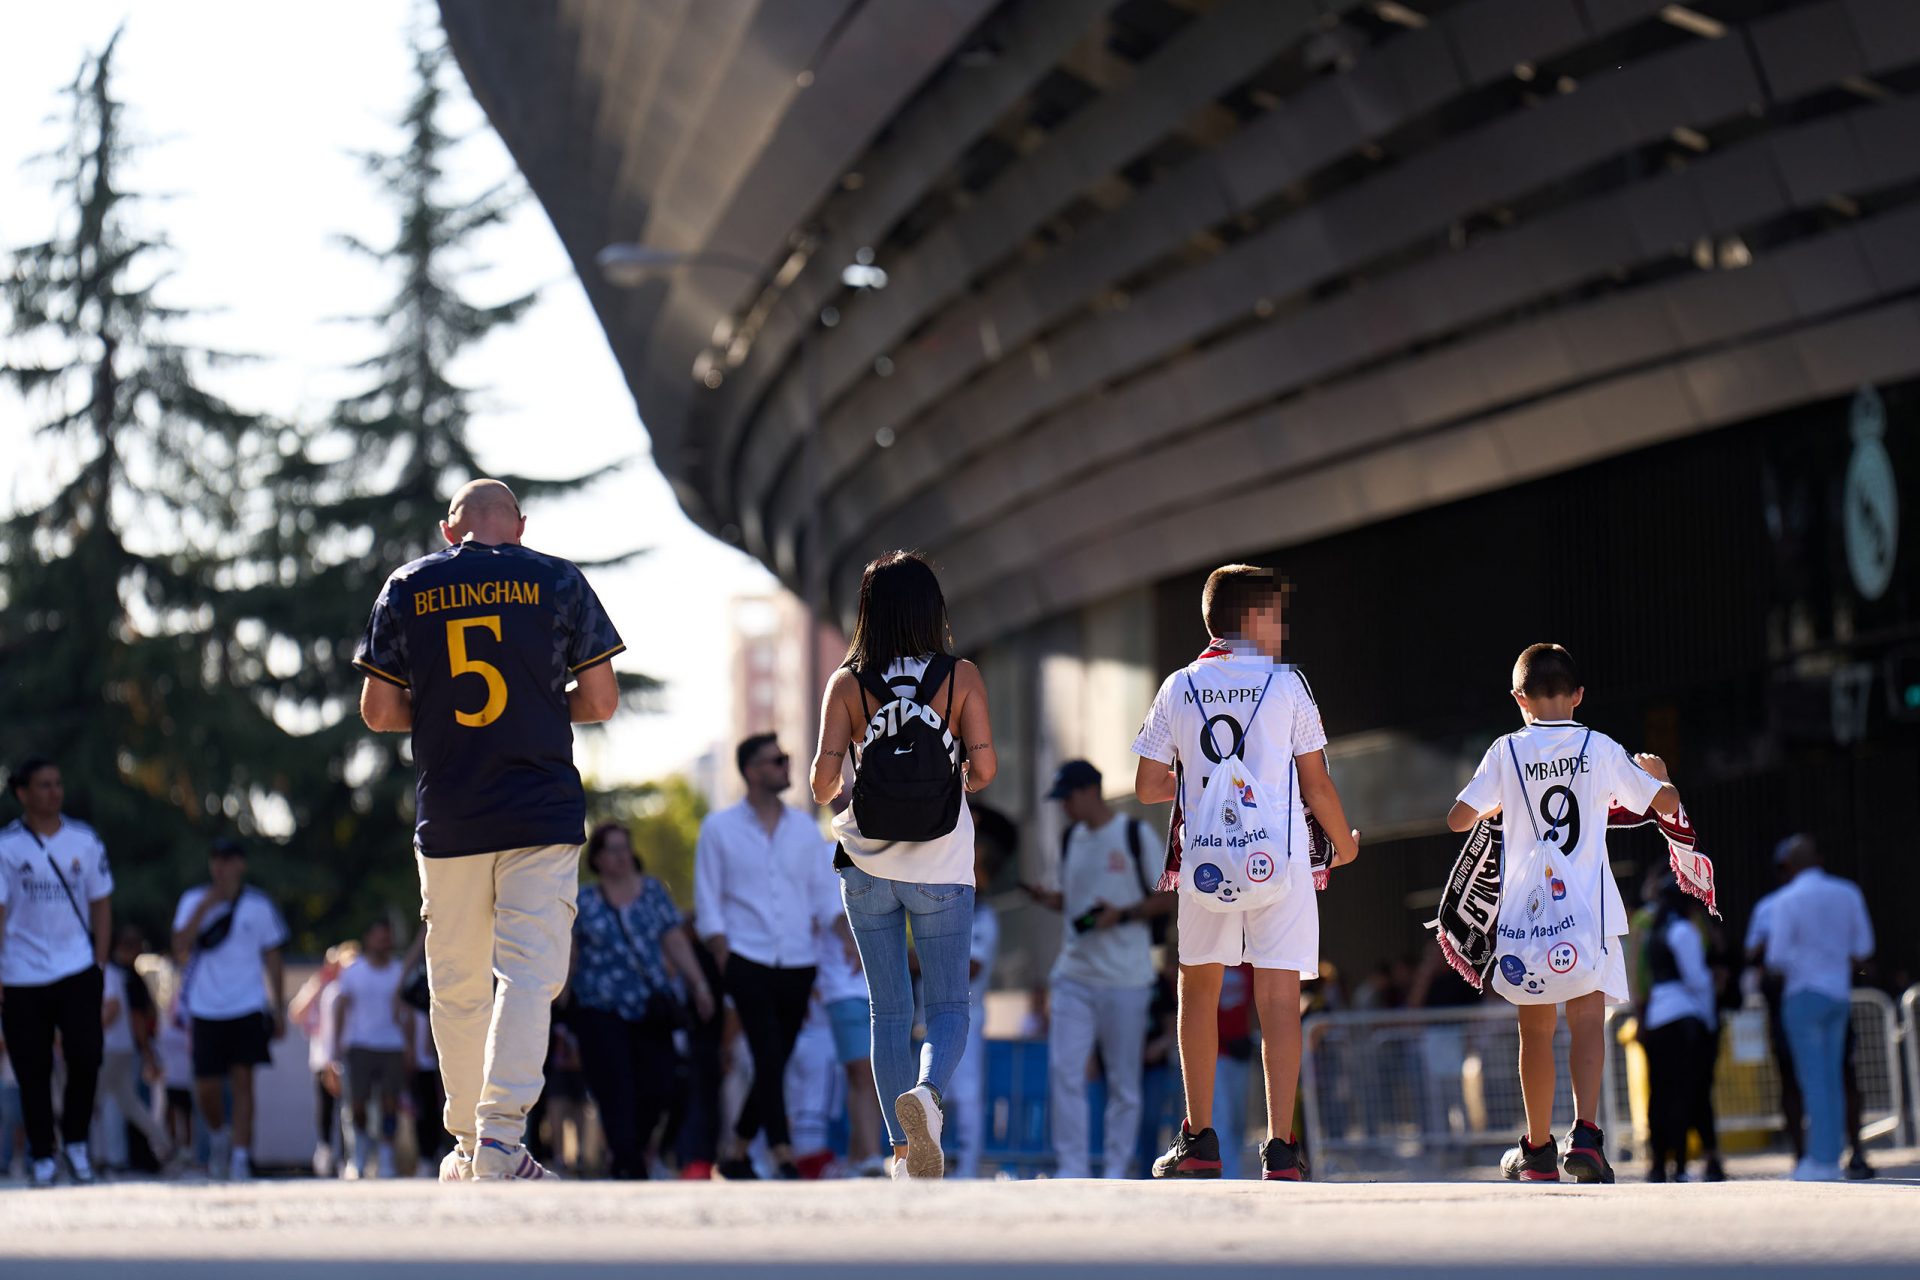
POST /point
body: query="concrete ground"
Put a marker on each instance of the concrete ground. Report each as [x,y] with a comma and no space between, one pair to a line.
[1754,1228]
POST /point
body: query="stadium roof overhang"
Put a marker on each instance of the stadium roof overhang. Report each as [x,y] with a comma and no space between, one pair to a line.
[1170,280]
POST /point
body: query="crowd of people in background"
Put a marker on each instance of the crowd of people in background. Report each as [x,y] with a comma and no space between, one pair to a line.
[820,975]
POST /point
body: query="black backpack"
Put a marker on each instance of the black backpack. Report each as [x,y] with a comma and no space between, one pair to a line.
[906,782]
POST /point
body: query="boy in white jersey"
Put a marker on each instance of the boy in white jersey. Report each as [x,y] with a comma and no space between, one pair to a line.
[1556,780]
[1238,699]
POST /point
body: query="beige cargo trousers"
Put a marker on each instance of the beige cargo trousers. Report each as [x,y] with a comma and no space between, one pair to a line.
[499,938]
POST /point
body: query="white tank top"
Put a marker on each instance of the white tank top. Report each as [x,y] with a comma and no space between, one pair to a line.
[948,860]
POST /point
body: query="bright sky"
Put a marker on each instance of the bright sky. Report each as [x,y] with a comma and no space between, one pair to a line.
[253,111]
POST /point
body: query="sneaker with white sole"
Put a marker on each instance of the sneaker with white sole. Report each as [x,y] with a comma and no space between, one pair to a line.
[919,1113]
[897,1169]
[456,1166]
[78,1165]
[498,1162]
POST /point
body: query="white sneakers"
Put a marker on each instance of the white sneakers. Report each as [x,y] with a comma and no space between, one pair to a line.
[78,1165]
[918,1110]
[456,1166]
[494,1162]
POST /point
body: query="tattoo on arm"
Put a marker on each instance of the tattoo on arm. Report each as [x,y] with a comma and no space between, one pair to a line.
[832,755]
[979,746]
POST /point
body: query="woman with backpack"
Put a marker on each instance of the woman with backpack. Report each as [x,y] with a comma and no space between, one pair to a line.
[916,721]
[1677,1030]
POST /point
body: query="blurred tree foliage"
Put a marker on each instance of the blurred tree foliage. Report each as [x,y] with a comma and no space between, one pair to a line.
[109,660]
[196,679]
[664,820]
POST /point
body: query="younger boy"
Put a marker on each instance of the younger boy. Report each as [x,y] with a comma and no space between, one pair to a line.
[1238,698]
[1578,774]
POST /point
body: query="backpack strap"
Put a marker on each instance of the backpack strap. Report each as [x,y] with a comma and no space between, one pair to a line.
[939,667]
[1066,838]
[1134,839]
[872,684]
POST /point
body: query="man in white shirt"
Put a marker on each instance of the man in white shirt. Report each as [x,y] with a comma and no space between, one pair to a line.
[370,1046]
[1818,934]
[227,938]
[762,881]
[1793,1111]
[56,923]
[1102,982]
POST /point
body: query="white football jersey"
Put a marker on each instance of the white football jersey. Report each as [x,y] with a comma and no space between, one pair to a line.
[1554,783]
[1228,700]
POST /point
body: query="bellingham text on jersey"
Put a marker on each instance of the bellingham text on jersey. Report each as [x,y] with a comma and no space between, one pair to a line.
[462,595]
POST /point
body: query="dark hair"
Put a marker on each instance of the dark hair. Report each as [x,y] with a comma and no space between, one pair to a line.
[1235,590]
[225,848]
[597,840]
[1545,671]
[749,748]
[22,776]
[902,614]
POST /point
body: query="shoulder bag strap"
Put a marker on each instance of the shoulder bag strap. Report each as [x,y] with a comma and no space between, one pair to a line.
[53,865]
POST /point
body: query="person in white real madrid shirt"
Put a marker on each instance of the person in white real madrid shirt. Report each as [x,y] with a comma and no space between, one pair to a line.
[227,937]
[56,924]
[1102,982]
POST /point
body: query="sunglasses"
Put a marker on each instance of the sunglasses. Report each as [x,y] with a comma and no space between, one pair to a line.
[782,760]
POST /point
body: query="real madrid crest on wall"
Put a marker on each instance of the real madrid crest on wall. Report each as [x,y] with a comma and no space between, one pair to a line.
[1872,517]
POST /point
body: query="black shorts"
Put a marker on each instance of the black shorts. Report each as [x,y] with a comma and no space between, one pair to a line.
[221,1044]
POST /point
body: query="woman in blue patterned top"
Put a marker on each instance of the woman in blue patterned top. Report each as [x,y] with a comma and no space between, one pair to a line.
[628,947]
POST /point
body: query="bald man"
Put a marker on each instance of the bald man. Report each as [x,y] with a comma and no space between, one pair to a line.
[471,650]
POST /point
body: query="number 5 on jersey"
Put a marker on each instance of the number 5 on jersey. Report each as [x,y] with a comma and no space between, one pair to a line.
[463,665]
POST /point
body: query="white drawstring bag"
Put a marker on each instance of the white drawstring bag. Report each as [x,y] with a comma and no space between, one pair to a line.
[1239,845]
[1550,943]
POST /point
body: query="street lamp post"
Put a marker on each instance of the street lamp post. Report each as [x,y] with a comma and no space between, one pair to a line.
[630,265]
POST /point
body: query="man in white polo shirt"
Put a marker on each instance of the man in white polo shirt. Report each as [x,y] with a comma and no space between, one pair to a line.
[56,924]
[1102,982]
[227,937]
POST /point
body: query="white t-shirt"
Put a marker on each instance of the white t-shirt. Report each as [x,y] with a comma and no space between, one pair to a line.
[1818,927]
[45,939]
[1691,994]
[175,1043]
[230,980]
[1236,688]
[117,1037]
[947,860]
[1541,782]
[321,1050]
[369,990]
[982,950]
[835,977]
[1098,870]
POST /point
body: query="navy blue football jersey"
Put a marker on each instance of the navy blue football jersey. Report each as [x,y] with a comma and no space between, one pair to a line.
[485,639]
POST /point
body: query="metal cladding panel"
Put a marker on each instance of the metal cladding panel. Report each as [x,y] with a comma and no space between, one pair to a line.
[1376,267]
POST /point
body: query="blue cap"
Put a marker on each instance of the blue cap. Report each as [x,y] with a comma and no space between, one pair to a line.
[1071,777]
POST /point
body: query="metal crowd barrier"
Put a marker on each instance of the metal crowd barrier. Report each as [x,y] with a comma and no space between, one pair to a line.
[1431,1090]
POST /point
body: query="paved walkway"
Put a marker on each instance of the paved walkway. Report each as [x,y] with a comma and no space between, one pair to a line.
[302,1230]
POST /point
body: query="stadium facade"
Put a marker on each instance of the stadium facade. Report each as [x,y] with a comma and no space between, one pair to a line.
[1487,322]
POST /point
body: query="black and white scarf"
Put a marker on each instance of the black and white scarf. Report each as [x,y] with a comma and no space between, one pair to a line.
[1470,899]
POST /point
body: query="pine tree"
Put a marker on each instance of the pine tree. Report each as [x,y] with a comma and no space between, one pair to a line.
[111,667]
[363,496]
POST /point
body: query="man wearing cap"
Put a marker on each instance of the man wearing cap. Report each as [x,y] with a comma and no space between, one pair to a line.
[227,937]
[1102,983]
[488,652]
[1813,934]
